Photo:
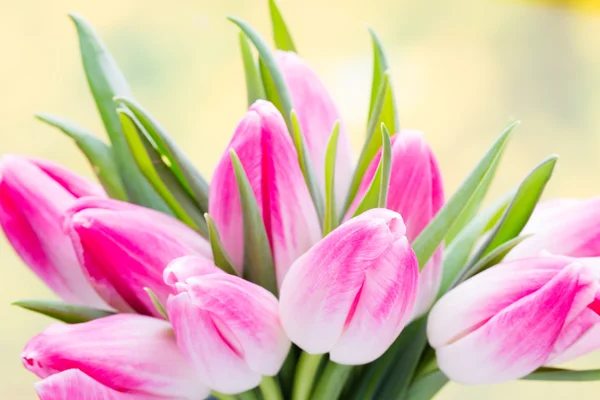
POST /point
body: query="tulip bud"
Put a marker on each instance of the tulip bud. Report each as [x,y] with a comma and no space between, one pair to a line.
[510,320]
[416,193]
[352,293]
[317,115]
[228,328]
[269,158]
[124,248]
[124,352]
[569,227]
[34,195]
[74,384]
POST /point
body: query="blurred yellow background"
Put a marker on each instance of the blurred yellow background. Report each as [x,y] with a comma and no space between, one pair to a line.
[461,69]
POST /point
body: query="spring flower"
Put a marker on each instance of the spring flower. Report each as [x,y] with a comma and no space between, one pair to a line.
[510,320]
[352,293]
[124,248]
[269,158]
[416,193]
[34,194]
[127,353]
[317,115]
[228,328]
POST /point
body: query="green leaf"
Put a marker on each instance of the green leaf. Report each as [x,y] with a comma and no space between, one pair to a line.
[254,86]
[189,177]
[565,375]
[258,259]
[426,387]
[332,381]
[220,256]
[383,113]
[281,33]
[330,218]
[380,67]
[159,175]
[376,195]
[271,93]
[521,207]
[270,64]
[432,236]
[306,165]
[493,257]
[69,313]
[98,153]
[158,305]
[106,81]
[456,255]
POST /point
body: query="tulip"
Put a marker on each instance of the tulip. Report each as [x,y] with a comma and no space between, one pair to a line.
[228,328]
[569,227]
[317,115]
[269,158]
[352,293]
[506,322]
[416,193]
[74,384]
[34,194]
[124,352]
[124,248]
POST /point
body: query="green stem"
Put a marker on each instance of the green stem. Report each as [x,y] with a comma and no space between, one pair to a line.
[332,381]
[253,394]
[270,389]
[306,370]
[221,396]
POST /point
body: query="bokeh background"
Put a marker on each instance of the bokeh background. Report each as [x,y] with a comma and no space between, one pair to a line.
[461,70]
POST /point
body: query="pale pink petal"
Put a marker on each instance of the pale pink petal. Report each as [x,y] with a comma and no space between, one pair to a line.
[183,268]
[580,337]
[519,338]
[31,207]
[381,308]
[71,182]
[565,226]
[268,156]
[125,352]
[317,115]
[324,286]
[210,348]
[73,384]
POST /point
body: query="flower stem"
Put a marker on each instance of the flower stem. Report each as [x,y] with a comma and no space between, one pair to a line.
[332,381]
[221,396]
[270,389]
[306,370]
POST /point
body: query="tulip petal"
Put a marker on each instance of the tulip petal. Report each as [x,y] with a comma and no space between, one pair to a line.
[31,209]
[72,183]
[183,268]
[322,294]
[519,338]
[125,352]
[267,153]
[73,384]
[578,338]
[317,114]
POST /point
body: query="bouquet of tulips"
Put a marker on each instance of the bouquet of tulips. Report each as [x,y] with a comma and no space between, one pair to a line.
[299,273]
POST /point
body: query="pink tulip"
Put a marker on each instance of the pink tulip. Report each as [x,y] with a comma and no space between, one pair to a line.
[228,328]
[317,115]
[416,192]
[127,353]
[34,195]
[74,384]
[352,293]
[269,158]
[124,248]
[569,227]
[510,320]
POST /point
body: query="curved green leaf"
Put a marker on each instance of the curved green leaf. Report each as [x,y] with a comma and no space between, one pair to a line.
[380,66]
[189,177]
[158,305]
[159,175]
[65,312]
[426,387]
[330,218]
[98,153]
[254,86]
[220,256]
[564,375]
[434,233]
[106,81]
[493,257]
[281,33]
[258,259]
